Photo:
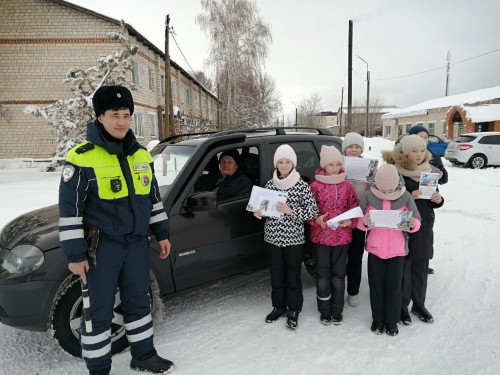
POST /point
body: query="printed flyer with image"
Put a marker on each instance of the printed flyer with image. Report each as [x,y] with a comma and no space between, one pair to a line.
[428,184]
[392,219]
[265,200]
[360,169]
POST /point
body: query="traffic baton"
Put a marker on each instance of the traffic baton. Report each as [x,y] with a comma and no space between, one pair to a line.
[86,307]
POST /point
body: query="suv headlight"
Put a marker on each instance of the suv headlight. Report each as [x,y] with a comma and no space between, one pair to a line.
[22,259]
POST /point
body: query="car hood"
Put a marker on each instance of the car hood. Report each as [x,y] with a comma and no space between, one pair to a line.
[38,228]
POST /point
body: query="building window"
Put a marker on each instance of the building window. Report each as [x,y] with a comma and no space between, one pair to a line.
[154,127]
[432,128]
[162,78]
[187,97]
[445,129]
[408,126]
[138,128]
[172,90]
[135,72]
[388,130]
[151,79]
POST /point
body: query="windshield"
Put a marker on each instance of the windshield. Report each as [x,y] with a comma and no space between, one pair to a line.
[169,161]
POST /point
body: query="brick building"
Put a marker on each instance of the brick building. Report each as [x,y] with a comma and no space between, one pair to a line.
[449,116]
[41,39]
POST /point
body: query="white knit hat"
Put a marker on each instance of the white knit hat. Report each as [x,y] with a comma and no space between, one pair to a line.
[353,138]
[285,152]
[412,142]
[329,154]
[387,177]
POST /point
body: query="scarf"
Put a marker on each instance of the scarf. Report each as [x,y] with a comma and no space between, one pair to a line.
[415,172]
[329,179]
[388,197]
[288,181]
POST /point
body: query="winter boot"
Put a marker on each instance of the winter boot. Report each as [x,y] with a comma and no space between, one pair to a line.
[405,316]
[292,319]
[377,327]
[275,315]
[154,364]
[325,319]
[423,314]
[391,329]
[104,371]
[353,301]
[337,319]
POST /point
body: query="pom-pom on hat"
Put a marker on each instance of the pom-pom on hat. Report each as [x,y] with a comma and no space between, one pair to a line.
[329,154]
[285,152]
[112,97]
[353,138]
[417,129]
[387,177]
[233,153]
[412,142]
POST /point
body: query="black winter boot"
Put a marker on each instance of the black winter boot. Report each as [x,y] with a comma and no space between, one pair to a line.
[325,319]
[377,327]
[423,314]
[154,364]
[292,320]
[275,315]
[391,329]
[104,371]
[405,316]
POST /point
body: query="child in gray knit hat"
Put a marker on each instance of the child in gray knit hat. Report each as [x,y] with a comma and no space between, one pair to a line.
[353,145]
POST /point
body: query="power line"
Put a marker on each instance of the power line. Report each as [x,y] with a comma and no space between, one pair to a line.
[438,68]
[177,44]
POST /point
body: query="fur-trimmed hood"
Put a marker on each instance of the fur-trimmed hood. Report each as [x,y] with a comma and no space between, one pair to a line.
[401,160]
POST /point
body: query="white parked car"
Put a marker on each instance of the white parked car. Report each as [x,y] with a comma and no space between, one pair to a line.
[477,150]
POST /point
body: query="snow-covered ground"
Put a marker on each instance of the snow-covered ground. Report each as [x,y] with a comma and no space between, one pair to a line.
[219,329]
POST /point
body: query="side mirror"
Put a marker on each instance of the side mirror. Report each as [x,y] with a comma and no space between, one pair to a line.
[202,201]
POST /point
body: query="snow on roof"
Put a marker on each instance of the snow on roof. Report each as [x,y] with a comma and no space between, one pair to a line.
[483,113]
[446,101]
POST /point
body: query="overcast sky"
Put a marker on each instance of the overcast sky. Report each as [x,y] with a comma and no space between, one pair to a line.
[310,45]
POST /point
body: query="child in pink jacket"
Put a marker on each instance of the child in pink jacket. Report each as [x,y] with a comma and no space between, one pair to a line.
[334,196]
[386,248]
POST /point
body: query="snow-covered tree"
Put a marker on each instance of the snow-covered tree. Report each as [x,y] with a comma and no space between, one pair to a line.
[69,117]
[239,41]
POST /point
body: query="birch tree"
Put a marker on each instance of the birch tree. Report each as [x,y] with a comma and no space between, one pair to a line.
[238,40]
[69,117]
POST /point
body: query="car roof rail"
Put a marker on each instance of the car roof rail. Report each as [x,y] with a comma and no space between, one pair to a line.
[280,130]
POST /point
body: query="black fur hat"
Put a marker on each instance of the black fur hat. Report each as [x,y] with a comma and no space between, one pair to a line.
[112,97]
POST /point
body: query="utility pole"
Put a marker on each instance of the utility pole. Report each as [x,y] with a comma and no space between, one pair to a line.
[296,116]
[168,127]
[341,113]
[349,80]
[367,95]
[448,58]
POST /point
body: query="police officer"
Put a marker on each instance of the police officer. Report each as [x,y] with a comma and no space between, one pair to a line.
[108,185]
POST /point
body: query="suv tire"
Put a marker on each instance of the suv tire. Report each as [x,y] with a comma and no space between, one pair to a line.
[477,161]
[67,331]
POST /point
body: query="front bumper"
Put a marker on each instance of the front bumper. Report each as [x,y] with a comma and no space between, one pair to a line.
[26,305]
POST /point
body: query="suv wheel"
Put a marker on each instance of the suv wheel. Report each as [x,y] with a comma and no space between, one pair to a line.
[65,320]
[477,161]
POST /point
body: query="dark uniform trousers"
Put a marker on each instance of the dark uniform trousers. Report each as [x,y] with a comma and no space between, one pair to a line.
[415,281]
[121,261]
[330,278]
[384,278]
[285,266]
[355,261]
